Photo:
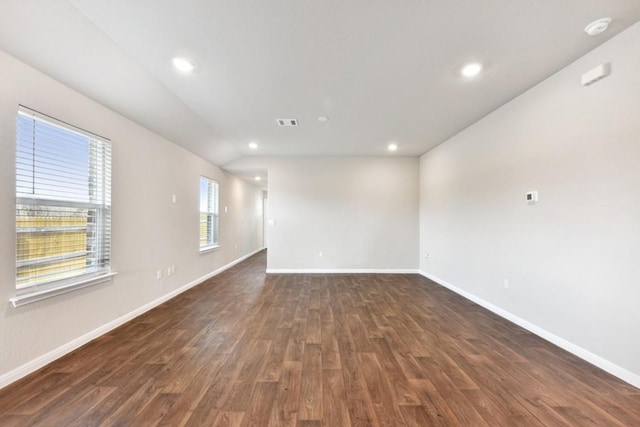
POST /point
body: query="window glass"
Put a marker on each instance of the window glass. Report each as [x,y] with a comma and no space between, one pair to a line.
[208,213]
[63,202]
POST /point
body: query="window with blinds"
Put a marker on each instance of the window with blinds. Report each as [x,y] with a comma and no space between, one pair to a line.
[63,203]
[208,214]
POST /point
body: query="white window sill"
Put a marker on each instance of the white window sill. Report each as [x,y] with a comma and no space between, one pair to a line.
[206,249]
[39,295]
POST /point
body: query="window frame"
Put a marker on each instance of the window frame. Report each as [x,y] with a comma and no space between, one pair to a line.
[47,200]
[211,213]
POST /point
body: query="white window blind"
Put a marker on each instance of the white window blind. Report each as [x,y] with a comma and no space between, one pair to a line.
[208,213]
[63,203]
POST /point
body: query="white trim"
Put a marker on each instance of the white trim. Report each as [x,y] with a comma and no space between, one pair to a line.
[602,363]
[209,248]
[49,357]
[39,295]
[342,271]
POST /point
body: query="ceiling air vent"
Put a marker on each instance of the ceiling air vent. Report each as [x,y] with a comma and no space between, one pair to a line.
[287,122]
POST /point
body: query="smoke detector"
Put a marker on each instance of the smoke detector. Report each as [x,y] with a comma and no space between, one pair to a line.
[598,26]
[287,122]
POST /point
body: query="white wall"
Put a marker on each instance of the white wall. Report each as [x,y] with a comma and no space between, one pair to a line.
[572,259]
[149,231]
[361,212]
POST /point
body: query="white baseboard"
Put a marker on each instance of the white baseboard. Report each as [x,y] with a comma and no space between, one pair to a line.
[602,363]
[342,271]
[49,357]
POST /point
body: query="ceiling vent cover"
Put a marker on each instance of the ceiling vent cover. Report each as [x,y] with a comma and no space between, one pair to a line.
[287,122]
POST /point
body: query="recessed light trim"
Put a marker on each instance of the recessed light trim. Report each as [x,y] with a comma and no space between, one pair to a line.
[253,145]
[471,70]
[183,64]
[392,147]
[323,119]
[598,26]
[257,178]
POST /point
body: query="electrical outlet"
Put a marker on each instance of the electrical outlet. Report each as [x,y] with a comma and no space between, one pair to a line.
[506,283]
[320,254]
[159,274]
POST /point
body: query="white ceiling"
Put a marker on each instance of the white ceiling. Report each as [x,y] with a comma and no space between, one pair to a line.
[381,70]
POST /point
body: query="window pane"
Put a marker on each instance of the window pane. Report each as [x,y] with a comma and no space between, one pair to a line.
[52,163]
[208,212]
[63,202]
[204,191]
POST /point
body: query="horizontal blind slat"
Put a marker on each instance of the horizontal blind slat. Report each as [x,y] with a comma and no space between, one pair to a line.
[63,202]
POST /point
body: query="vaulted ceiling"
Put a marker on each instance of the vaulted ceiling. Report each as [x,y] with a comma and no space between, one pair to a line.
[381,71]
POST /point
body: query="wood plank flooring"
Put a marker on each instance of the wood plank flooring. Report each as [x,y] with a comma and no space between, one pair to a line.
[245,348]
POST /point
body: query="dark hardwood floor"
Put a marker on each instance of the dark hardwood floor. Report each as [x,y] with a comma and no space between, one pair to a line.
[245,348]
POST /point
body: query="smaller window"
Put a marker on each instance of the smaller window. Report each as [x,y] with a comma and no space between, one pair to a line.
[208,214]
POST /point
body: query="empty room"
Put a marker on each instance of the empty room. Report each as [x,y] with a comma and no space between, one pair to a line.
[319,213]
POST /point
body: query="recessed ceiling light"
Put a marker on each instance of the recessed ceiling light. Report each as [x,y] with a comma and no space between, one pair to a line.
[253,145]
[598,26]
[182,64]
[323,119]
[471,70]
[257,178]
[392,147]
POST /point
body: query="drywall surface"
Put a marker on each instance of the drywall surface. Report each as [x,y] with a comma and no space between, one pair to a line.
[149,231]
[361,213]
[571,259]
